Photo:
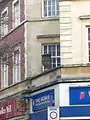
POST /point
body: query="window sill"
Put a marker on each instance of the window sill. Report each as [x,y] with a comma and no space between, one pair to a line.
[50,17]
[43,19]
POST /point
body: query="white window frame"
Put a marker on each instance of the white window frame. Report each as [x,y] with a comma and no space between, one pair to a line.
[4,28]
[47,10]
[84,41]
[15,80]
[48,52]
[13,21]
[4,73]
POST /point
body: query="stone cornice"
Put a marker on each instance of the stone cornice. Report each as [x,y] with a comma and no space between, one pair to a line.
[84,17]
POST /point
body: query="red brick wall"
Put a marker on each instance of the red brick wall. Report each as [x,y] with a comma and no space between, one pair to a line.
[16,37]
[8,4]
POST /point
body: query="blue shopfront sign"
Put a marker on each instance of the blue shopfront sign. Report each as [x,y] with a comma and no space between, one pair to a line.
[43,100]
[79,95]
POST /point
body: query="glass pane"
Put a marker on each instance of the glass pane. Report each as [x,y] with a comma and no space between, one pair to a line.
[45,2]
[88,30]
[58,60]
[53,10]
[58,53]
[16,13]
[53,65]
[16,66]
[45,8]
[49,10]
[89,37]
[45,11]
[89,52]
[89,45]
[58,64]
[50,49]
[58,50]
[57,11]
[53,7]
[53,2]
[49,2]
[45,49]
[49,13]
[88,33]
[57,7]
[54,60]
[54,50]
[89,58]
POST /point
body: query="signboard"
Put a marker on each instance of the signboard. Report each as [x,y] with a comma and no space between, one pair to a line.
[43,100]
[9,109]
[53,113]
[79,95]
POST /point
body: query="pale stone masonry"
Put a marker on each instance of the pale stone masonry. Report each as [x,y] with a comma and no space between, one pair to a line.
[73,35]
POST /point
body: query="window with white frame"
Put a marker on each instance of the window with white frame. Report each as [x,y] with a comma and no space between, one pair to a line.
[4,72]
[4,22]
[50,8]
[88,28]
[16,12]
[54,51]
[16,66]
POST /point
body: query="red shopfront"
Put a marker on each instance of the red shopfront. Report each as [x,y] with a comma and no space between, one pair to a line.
[12,108]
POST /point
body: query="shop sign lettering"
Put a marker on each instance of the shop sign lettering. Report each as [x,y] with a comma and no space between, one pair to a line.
[5,110]
[10,109]
[43,100]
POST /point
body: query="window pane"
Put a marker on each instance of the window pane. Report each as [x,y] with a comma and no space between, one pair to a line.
[49,7]
[57,7]
[89,52]
[49,2]
[88,33]
[50,49]
[89,45]
[52,7]
[45,7]
[58,50]
[58,60]
[54,65]
[16,13]
[16,66]
[53,10]
[45,11]
[45,49]
[53,2]
[53,50]
[53,60]
[89,58]
[4,72]
[88,30]
[4,23]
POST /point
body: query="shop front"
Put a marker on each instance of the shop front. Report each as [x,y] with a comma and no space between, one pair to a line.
[75,101]
[12,109]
